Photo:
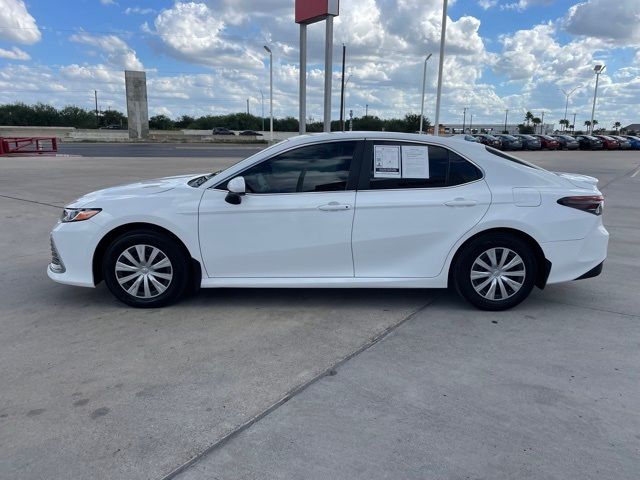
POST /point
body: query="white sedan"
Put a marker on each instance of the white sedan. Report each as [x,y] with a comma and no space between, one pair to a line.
[360,209]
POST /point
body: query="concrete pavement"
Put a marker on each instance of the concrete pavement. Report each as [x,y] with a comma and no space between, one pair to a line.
[90,388]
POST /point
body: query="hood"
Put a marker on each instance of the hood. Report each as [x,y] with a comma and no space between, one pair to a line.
[143,188]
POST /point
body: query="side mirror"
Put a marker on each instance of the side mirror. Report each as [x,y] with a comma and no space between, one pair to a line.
[237,188]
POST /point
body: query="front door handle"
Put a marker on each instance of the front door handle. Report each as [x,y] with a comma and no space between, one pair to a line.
[334,207]
[461,202]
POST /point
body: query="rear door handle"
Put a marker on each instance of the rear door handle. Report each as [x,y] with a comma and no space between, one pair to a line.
[334,207]
[461,202]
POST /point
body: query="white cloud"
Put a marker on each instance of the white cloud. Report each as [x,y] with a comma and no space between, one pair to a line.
[524,4]
[16,23]
[487,4]
[108,2]
[115,50]
[616,22]
[139,11]
[14,54]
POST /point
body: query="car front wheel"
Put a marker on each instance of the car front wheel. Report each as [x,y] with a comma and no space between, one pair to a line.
[495,272]
[145,269]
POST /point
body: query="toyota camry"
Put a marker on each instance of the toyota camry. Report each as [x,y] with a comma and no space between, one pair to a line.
[357,209]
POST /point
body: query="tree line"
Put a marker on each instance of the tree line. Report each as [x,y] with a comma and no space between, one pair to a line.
[42,115]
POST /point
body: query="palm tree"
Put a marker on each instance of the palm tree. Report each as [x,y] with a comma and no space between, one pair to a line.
[536,121]
[617,126]
[528,118]
[587,123]
[565,123]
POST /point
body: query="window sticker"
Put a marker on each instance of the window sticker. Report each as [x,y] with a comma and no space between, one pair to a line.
[415,162]
[386,161]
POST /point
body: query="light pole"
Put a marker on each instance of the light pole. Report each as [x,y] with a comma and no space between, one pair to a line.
[343,113]
[573,125]
[566,105]
[598,69]
[464,118]
[443,32]
[262,96]
[270,92]
[424,83]
[471,125]
[506,116]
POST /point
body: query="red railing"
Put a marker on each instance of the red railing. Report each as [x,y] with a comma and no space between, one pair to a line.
[28,145]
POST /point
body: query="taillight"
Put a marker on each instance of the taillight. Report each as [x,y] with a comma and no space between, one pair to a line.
[588,203]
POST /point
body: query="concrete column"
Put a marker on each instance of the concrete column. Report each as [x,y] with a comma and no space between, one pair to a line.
[137,108]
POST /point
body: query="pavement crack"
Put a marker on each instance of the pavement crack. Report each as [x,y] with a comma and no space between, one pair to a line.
[603,310]
[331,370]
[31,201]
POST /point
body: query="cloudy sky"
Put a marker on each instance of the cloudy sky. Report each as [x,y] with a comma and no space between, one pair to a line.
[206,57]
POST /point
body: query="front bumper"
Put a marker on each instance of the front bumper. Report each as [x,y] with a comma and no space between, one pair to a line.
[74,244]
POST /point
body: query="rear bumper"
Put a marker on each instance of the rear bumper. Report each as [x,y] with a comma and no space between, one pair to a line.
[594,272]
[574,259]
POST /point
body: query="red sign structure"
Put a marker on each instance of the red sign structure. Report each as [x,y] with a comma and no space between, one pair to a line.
[311,11]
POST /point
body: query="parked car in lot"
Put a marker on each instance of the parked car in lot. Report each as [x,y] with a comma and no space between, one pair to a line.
[456,214]
[567,141]
[634,141]
[529,142]
[509,142]
[589,142]
[608,143]
[548,142]
[488,140]
[465,136]
[221,131]
[250,133]
[624,143]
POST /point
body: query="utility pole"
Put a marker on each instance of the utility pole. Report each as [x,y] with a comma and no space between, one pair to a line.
[344,53]
[247,106]
[506,116]
[566,105]
[598,69]
[328,72]
[262,96]
[464,118]
[95,94]
[443,33]
[270,91]
[424,82]
[366,110]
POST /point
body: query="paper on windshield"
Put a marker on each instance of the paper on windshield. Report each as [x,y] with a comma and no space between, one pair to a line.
[386,161]
[415,162]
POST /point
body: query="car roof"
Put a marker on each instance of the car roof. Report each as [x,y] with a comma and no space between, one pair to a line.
[361,135]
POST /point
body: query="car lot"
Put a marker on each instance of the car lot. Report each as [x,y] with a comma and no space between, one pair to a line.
[90,388]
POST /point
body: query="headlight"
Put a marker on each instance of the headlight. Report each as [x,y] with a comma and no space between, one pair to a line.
[78,214]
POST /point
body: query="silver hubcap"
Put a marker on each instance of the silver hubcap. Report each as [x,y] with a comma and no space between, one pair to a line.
[144,271]
[498,273]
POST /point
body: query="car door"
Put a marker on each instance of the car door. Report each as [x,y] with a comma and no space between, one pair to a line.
[294,221]
[405,227]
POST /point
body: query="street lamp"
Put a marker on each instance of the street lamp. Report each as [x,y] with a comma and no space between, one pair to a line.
[270,91]
[262,96]
[566,105]
[598,69]
[344,104]
[424,83]
[436,127]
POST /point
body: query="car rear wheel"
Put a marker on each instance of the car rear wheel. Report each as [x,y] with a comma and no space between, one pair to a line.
[145,269]
[495,272]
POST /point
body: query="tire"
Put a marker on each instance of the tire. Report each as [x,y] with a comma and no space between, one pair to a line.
[162,273]
[511,285]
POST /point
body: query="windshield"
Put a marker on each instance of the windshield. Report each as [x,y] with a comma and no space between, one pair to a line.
[509,137]
[511,158]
